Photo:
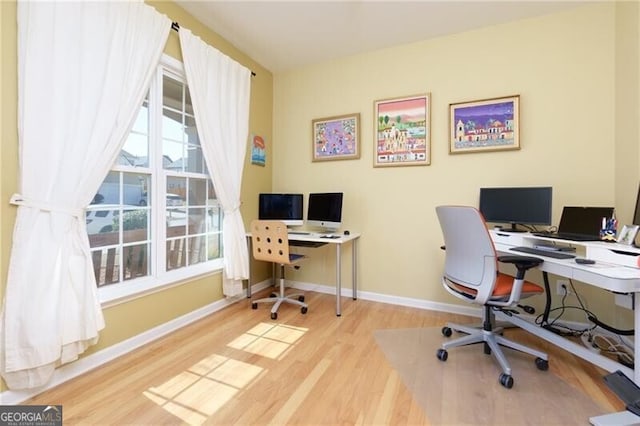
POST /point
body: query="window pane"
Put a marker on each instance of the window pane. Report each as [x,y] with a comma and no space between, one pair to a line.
[197,192]
[197,224]
[188,105]
[197,250]
[214,249]
[106,265]
[176,186]
[176,253]
[135,151]
[172,155]
[214,219]
[141,125]
[109,191]
[102,221]
[191,131]
[172,127]
[136,261]
[172,93]
[194,160]
[136,188]
[176,222]
[135,225]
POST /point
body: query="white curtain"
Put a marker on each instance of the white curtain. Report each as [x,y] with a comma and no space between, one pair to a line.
[220,91]
[83,71]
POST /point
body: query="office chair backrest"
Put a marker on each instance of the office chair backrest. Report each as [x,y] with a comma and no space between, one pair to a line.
[270,241]
[470,255]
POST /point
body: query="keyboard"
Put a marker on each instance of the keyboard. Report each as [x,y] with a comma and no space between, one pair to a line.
[543,252]
[566,236]
[314,244]
[299,233]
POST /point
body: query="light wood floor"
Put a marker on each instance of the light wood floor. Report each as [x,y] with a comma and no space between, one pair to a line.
[239,367]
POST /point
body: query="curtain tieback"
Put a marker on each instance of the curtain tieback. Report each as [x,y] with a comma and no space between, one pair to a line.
[19,200]
[233,209]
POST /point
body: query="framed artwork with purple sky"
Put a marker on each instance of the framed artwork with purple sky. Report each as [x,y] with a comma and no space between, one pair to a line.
[484,125]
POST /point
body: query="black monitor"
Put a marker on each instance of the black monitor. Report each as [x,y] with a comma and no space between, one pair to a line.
[636,213]
[287,208]
[517,205]
[325,210]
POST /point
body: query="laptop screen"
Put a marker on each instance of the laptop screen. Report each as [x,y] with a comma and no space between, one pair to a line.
[583,220]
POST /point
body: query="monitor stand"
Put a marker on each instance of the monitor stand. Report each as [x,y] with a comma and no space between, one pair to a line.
[512,229]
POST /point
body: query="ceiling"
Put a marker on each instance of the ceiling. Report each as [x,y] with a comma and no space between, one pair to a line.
[283,35]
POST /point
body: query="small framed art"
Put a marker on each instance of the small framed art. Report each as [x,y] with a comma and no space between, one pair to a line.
[402,131]
[628,234]
[484,125]
[336,138]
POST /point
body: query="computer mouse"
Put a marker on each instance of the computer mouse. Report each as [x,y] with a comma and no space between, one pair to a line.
[346,232]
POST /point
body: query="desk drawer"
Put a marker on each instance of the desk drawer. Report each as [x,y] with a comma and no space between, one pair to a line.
[511,239]
[616,256]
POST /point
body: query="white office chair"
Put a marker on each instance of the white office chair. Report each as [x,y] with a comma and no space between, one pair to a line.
[471,273]
[270,243]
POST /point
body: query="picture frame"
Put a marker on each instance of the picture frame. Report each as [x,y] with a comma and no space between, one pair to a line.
[628,234]
[402,131]
[485,125]
[336,138]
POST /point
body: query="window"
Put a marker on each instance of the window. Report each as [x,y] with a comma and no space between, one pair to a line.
[155,218]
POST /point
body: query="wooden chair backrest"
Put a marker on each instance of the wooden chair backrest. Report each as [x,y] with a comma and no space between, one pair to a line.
[270,241]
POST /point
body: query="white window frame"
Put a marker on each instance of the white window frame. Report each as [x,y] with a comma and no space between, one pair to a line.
[120,292]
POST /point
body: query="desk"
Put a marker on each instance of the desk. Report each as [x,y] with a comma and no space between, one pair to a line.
[616,269]
[337,243]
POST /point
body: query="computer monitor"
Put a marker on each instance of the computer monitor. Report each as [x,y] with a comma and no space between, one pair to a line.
[636,213]
[516,206]
[325,210]
[287,208]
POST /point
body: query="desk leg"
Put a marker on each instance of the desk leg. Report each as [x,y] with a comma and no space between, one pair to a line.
[338,279]
[250,259]
[354,269]
[636,335]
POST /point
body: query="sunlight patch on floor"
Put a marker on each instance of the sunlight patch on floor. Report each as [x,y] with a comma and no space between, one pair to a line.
[200,391]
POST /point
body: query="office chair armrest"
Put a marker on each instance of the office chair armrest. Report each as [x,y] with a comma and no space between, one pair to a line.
[522,263]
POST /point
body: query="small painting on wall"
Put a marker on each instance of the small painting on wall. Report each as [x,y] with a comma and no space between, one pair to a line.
[336,138]
[258,150]
[484,125]
[402,131]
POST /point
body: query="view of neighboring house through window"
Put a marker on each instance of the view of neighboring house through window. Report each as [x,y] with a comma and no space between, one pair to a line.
[156,211]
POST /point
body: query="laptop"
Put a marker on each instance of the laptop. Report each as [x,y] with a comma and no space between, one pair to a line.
[580,223]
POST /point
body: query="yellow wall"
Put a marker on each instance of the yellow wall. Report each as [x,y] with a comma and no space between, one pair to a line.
[565,68]
[128,319]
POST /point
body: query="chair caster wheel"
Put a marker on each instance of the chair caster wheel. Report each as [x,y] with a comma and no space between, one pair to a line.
[442,354]
[446,331]
[300,298]
[273,294]
[274,315]
[506,380]
[542,364]
[254,305]
[303,309]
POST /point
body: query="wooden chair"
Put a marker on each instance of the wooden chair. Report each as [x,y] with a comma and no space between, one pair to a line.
[270,243]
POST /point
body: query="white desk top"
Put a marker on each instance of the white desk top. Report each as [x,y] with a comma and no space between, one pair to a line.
[616,268]
[336,238]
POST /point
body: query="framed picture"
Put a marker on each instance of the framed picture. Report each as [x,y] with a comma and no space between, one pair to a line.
[628,234]
[484,125]
[402,131]
[336,138]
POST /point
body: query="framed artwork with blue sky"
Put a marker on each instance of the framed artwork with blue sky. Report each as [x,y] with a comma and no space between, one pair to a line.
[485,125]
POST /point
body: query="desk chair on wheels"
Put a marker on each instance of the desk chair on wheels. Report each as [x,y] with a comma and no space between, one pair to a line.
[471,274]
[270,243]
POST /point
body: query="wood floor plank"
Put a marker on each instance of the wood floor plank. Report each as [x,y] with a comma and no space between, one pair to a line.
[239,367]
